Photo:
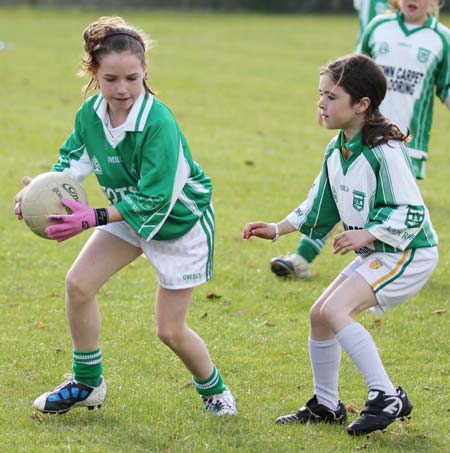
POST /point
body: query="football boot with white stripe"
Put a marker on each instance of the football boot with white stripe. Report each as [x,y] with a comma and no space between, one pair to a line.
[380,411]
[69,394]
[221,403]
[314,412]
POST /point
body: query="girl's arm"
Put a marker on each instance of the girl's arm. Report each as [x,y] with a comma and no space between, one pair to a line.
[265,230]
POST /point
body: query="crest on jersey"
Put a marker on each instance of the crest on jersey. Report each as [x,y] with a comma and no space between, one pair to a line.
[96,165]
[423,55]
[415,216]
[358,200]
[383,48]
[375,264]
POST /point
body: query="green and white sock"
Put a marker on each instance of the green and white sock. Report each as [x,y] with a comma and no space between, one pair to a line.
[211,386]
[87,367]
[309,248]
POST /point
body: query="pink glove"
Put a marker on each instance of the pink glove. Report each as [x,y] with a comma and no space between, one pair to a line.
[18,198]
[82,218]
[17,211]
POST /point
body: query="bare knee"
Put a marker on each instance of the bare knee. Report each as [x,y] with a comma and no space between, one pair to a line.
[78,290]
[315,316]
[170,336]
[328,314]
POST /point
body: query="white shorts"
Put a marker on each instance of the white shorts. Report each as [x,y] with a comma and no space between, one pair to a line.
[395,277]
[180,263]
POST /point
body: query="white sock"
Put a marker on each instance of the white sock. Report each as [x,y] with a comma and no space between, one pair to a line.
[359,345]
[325,360]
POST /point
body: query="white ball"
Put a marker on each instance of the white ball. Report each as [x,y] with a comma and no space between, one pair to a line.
[42,197]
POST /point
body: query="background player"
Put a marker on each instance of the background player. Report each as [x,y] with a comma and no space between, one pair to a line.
[413,50]
[367,10]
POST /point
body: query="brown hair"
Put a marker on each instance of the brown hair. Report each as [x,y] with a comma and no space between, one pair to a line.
[361,77]
[111,34]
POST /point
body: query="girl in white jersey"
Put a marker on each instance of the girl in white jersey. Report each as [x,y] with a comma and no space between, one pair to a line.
[367,182]
[413,50]
[160,206]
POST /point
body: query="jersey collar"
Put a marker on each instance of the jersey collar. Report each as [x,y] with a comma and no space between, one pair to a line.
[406,30]
[348,150]
[138,114]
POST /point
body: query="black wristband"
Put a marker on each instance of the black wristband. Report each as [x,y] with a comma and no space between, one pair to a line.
[101,216]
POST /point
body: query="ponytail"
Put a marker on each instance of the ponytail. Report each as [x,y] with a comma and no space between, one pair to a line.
[378,129]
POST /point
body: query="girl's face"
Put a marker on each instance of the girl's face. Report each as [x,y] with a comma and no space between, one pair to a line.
[415,11]
[336,109]
[120,77]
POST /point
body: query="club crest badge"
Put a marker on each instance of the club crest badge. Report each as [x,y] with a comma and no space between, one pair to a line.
[375,264]
[96,165]
[423,55]
[358,200]
[415,216]
[383,48]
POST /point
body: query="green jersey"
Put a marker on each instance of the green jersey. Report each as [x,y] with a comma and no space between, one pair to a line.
[375,189]
[149,176]
[415,61]
[367,10]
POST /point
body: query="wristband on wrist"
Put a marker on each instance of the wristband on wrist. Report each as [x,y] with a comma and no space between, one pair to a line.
[277,232]
[101,216]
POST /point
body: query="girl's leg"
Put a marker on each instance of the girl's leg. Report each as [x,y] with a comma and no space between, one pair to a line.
[338,312]
[103,255]
[325,355]
[171,310]
[325,352]
[384,403]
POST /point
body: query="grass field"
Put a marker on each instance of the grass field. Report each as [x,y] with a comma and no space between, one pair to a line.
[243,88]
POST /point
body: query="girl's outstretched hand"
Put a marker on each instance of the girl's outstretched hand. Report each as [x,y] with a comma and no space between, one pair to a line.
[351,240]
[261,230]
[18,198]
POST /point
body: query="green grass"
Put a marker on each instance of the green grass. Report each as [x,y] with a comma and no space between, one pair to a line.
[244,89]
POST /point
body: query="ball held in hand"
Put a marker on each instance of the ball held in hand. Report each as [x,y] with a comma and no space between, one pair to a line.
[42,197]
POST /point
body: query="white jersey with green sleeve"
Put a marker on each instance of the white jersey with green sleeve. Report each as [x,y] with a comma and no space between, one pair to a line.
[416,62]
[367,10]
[149,176]
[375,189]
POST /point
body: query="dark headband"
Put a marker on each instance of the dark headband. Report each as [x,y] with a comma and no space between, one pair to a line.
[124,33]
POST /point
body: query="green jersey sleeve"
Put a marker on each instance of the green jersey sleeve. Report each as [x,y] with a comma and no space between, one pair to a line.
[398,213]
[163,173]
[443,71]
[73,157]
[318,214]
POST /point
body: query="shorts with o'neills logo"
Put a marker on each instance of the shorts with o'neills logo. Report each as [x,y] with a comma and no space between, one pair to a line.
[180,263]
[394,277]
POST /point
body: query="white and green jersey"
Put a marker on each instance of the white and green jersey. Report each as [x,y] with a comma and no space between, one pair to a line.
[375,189]
[149,176]
[415,61]
[367,10]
